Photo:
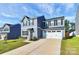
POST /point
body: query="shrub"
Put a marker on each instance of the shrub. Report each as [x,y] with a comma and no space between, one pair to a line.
[34,39]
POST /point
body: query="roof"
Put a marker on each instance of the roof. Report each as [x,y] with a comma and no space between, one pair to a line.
[7,24]
[24,18]
[1,28]
[55,28]
[30,18]
[55,18]
[27,18]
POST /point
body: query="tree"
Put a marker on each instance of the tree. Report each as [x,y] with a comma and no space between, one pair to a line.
[72,26]
[67,25]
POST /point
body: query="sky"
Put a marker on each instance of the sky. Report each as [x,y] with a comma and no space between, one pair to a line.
[14,12]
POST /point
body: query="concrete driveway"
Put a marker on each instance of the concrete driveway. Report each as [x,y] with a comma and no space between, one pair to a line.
[40,47]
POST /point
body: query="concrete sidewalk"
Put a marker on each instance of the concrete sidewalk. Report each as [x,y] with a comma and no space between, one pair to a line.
[40,47]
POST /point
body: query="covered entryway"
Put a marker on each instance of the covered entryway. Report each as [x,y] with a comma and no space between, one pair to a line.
[30,33]
[57,34]
[3,36]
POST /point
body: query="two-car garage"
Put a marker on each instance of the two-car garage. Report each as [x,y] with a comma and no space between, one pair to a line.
[57,34]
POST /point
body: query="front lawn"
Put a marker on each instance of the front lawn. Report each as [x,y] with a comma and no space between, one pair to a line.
[11,44]
[70,46]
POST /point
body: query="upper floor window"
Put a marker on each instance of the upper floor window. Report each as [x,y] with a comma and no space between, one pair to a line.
[55,22]
[32,22]
[29,22]
[25,23]
[52,23]
[49,23]
[61,22]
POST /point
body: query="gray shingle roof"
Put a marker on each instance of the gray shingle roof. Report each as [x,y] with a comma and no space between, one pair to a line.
[56,18]
[55,28]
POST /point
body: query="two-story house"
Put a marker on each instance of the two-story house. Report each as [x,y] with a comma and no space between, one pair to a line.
[9,31]
[42,28]
[32,27]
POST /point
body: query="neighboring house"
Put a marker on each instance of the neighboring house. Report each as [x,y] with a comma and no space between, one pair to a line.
[41,28]
[77,22]
[9,31]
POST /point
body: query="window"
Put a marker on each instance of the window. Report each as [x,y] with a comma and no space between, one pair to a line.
[52,23]
[49,31]
[32,22]
[49,23]
[58,31]
[24,32]
[25,23]
[53,31]
[55,22]
[29,22]
[61,22]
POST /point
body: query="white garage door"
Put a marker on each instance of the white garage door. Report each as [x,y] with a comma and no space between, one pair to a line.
[54,34]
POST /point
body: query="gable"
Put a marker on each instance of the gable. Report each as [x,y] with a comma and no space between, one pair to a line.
[25,18]
[6,27]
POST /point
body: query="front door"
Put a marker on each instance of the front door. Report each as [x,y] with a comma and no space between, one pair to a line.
[31,34]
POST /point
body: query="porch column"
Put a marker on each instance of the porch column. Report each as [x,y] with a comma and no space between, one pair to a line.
[28,38]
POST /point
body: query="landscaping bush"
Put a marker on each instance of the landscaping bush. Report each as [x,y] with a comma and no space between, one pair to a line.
[69,37]
[34,39]
[23,38]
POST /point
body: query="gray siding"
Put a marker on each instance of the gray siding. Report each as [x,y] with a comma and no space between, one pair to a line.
[77,22]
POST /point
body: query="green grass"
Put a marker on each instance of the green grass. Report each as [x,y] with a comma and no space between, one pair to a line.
[70,46]
[11,44]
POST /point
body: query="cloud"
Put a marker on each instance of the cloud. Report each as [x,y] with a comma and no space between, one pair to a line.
[70,18]
[14,12]
[68,6]
[9,21]
[50,10]
[30,11]
[46,9]
[58,12]
[25,9]
[7,15]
